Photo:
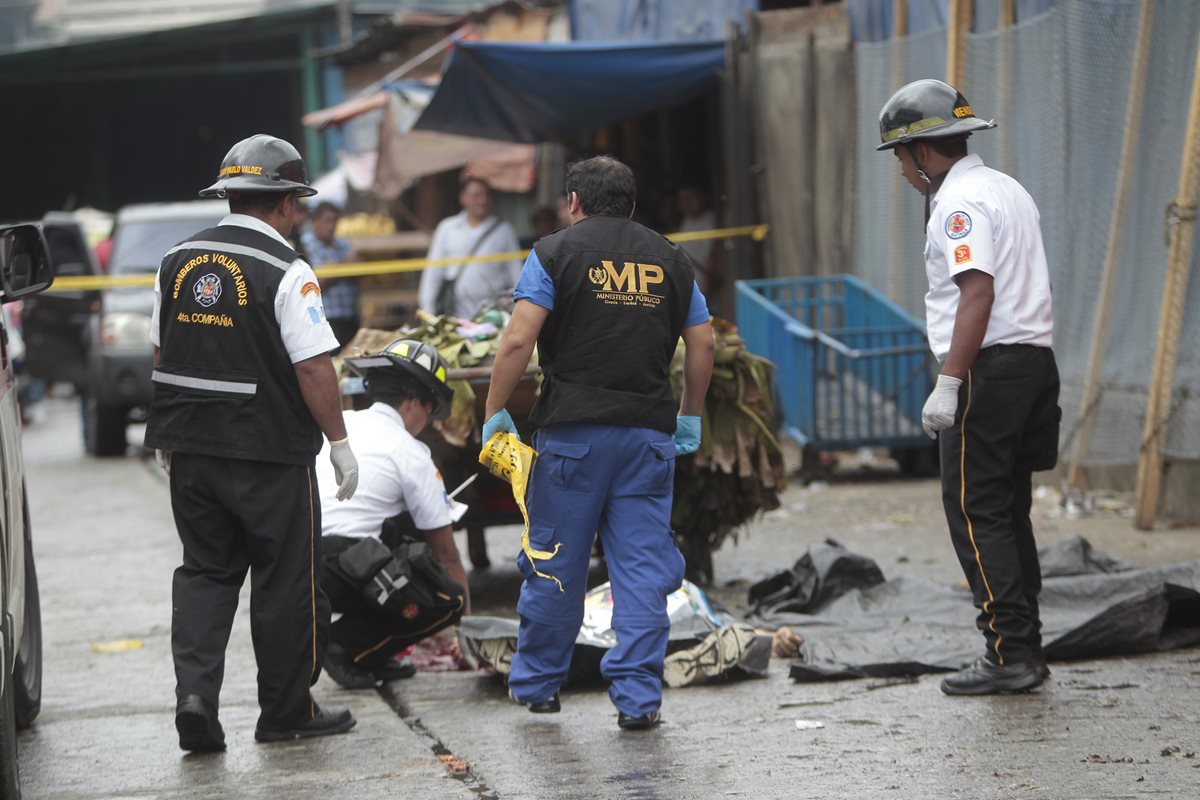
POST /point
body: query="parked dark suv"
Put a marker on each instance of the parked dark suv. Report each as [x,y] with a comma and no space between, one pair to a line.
[119,352]
[25,269]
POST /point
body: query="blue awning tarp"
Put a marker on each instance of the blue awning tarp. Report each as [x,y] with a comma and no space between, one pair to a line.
[538,92]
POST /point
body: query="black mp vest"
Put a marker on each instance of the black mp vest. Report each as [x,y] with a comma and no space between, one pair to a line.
[224,384]
[621,295]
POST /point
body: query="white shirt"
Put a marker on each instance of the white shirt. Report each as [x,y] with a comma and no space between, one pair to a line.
[478,283]
[395,474]
[698,251]
[298,310]
[983,219]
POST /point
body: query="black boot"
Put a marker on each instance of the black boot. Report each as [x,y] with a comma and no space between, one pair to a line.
[325,723]
[988,677]
[341,667]
[627,722]
[196,721]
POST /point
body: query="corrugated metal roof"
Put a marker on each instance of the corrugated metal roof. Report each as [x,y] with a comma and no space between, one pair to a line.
[83,20]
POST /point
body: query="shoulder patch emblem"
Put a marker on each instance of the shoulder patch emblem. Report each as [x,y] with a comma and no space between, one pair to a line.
[207,290]
[958,224]
[309,288]
[962,254]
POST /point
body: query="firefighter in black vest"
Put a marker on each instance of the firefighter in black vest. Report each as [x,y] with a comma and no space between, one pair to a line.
[606,301]
[243,389]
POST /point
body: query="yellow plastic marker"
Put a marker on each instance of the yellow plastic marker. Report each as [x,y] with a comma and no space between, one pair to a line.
[510,459]
[117,646]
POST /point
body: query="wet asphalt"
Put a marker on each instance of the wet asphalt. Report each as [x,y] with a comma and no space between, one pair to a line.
[105,544]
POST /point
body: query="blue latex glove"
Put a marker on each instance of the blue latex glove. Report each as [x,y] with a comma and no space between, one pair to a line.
[500,422]
[687,435]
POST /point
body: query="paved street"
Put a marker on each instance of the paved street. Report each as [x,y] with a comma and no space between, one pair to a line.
[106,546]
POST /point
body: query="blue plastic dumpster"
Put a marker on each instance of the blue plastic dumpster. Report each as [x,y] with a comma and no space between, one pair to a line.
[852,369]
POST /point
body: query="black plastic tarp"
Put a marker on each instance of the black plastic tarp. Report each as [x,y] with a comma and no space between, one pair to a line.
[855,625]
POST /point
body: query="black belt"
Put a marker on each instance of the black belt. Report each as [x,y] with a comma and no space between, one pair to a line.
[997,349]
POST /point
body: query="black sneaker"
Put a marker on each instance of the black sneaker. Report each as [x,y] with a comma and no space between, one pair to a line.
[627,722]
[196,721]
[551,706]
[341,667]
[325,723]
[988,677]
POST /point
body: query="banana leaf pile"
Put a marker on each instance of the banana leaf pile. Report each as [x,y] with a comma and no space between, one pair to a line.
[461,426]
[738,471]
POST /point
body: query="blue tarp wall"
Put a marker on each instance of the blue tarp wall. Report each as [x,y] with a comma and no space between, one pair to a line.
[537,92]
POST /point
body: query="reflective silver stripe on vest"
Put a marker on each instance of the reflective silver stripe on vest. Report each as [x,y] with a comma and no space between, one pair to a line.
[240,249]
[207,384]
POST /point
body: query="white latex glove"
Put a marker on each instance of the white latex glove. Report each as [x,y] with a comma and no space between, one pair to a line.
[345,468]
[940,407]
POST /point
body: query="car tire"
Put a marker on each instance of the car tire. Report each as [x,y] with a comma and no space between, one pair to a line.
[27,665]
[105,429]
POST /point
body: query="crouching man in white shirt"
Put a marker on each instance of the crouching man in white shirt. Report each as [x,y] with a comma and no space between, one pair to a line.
[390,598]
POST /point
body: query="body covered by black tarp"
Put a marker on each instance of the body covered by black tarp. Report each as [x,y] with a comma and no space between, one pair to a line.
[1091,606]
[538,92]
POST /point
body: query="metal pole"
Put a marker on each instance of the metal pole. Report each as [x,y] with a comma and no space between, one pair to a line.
[345,20]
[1007,111]
[314,151]
[899,51]
[1090,397]
[956,30]
[1181,221]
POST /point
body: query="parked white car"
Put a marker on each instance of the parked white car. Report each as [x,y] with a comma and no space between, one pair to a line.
[25,269]
[119,352]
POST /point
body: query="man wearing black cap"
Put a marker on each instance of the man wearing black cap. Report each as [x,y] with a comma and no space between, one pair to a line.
[243,389]
[994,409]
[391,595]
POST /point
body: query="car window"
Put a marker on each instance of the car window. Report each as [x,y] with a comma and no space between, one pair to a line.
[66,250]
[140,246]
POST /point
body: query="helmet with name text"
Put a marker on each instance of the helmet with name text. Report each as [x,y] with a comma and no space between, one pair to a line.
[261,163]
[400,364]
[927,109]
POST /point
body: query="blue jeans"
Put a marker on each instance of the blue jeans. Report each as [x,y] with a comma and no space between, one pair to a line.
[618,481]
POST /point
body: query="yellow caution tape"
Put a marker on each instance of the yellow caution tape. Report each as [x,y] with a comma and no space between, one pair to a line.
[117,646]
[510,459]
[87,283]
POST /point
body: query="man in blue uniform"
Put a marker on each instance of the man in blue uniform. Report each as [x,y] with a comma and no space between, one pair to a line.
[994,410]
[243,389]
[606,301]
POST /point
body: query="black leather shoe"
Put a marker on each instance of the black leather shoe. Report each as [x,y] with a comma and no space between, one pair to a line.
[551,706]
[988,677]
[397,669]
[196,721]
[627,722]
[341,667]
[327,722]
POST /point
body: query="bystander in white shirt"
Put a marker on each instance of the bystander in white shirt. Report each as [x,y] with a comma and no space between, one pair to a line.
[478,283]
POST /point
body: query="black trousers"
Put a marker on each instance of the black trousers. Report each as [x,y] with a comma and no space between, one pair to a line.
[1006,429]
[370,633]
[235,516]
